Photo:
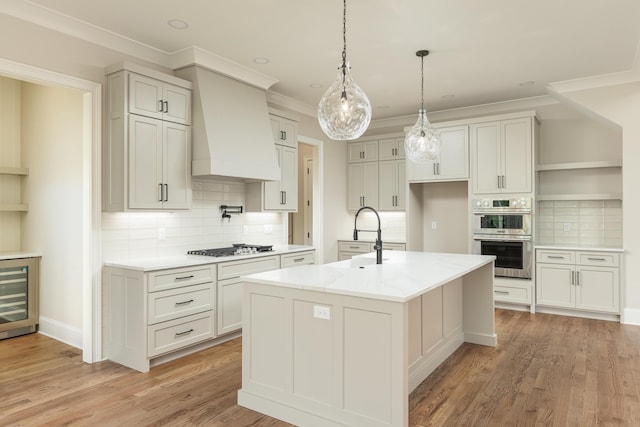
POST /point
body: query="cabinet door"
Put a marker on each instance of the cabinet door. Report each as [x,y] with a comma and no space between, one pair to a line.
[553,285]
[289,180]
[401,201]
[454,153]
[229,306]
[355,186]
[178,104]
[145,163]
[387,190]
[176,166]
[598,289]
[391,149]
[516,155]
[145,95]
[370,184]
[485,149]
[362,151]
[272,195]
[420,172]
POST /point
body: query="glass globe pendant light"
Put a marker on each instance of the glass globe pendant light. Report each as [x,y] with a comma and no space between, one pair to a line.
[422,142]
[344,111]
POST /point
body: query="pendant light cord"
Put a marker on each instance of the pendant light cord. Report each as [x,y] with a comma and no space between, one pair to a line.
[344,48]
[422,113]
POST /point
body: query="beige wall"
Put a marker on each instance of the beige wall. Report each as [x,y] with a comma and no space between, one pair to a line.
[620,104]
[52,150]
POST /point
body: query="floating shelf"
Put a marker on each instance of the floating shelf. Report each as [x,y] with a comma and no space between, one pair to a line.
[5,170]
[14,208]
[584,196]
[579,165]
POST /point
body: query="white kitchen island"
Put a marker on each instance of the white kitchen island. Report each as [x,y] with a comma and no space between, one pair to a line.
[344,344]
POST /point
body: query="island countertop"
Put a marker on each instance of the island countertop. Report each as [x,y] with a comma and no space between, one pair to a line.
[401,277]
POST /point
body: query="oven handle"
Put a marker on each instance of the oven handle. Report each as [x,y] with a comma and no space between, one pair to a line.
[502,238]
[501,211]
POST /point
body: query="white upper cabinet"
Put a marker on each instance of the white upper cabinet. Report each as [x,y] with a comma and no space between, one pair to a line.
[362,151]
[453,164]
[147,144]
[391,149]
[502,156]
[154,98]
[285,131]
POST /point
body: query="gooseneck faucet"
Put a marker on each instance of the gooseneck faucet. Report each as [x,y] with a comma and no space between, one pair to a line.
[378,246]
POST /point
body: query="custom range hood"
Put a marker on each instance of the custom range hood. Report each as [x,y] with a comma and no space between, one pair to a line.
[231,132]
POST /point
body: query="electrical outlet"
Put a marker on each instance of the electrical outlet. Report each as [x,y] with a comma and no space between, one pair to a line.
[245,229]
[322,312]
[434,225]
[566,226]
[162,233]
[268,229]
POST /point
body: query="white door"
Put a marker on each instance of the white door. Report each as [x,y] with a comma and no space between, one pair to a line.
[289,180]
[308,201]
[355,186]
[598,290]
[370,184]
[272,196]
[554,285]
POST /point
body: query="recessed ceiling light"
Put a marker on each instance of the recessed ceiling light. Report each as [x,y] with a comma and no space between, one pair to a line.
[448,96]
[261,60]
[316,85]
[178,24]
[527,83]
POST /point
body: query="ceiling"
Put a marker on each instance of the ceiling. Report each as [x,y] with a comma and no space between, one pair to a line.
[481,51]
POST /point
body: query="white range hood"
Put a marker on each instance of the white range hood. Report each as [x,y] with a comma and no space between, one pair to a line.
[231,131]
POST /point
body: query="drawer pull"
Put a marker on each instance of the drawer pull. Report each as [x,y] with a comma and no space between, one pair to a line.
[184,302]
[501,292]
[596,259]
[555,257]
[354,247]
[298,259]
[179,334]
[185,277]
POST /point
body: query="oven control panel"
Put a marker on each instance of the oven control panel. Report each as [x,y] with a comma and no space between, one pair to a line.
[502,204]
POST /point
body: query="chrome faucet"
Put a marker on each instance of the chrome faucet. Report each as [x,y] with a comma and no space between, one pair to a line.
[378,246]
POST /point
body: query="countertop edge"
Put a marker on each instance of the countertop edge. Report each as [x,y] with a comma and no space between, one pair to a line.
[19,255]
[579,248]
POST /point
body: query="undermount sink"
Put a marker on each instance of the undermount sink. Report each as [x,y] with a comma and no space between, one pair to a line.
[361,262]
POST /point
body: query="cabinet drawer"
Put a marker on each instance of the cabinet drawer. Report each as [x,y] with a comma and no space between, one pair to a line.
[512,294]
[604,259]
[174,334]
[231,269]
[180,302]
[556,257]
[300,258]
[393,246]
[178,277]
[359,247]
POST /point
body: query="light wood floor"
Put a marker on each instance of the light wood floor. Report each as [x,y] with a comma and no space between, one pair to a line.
[546,370]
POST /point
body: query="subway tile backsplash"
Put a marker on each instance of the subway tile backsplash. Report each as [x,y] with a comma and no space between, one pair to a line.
[595,223]
[146,234]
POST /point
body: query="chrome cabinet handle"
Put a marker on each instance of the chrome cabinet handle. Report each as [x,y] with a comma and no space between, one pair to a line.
[160,106]
[501,292]
[285,197]
[434,169]
[184,302]
[577,278]
[354,247]
[504,181]
[498,176]
[555,257]
[185,277]
[595,259]
[184,333]
[298,259]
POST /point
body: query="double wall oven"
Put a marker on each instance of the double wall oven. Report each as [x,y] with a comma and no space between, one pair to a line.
[502,228]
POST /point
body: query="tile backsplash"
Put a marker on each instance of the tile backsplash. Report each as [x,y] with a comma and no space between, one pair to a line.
[596,223]
[146,234]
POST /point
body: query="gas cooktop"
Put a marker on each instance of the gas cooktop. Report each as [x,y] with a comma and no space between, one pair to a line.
[236,249]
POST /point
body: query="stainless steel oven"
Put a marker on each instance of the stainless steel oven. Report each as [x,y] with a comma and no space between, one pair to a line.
[502,227]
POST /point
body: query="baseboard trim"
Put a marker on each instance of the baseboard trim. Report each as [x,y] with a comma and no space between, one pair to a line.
[631,316]
[61,332]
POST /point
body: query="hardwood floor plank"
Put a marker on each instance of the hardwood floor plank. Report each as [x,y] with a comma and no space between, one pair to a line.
[546,371]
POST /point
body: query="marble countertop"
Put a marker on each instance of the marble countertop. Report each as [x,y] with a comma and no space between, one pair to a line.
[177,261]
[18,255]
[401,277]
[579,248]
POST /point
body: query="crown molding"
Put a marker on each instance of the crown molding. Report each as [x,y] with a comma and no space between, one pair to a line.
[47,18]
[291,104]
[586,83]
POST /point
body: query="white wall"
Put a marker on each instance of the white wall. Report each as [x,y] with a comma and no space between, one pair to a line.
[52,150]
[446,204]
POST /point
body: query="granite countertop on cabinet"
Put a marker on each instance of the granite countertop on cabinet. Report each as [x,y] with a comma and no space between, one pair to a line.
[178,261]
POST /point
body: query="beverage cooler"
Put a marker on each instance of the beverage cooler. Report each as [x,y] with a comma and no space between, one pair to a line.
[18,296]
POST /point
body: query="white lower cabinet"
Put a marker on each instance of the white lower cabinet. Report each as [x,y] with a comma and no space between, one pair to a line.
[507,291]
[230,284]
[391,186]
[578,280]
[347,249]
[149,314]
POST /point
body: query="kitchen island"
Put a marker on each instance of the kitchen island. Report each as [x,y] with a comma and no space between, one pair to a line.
[345,343]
